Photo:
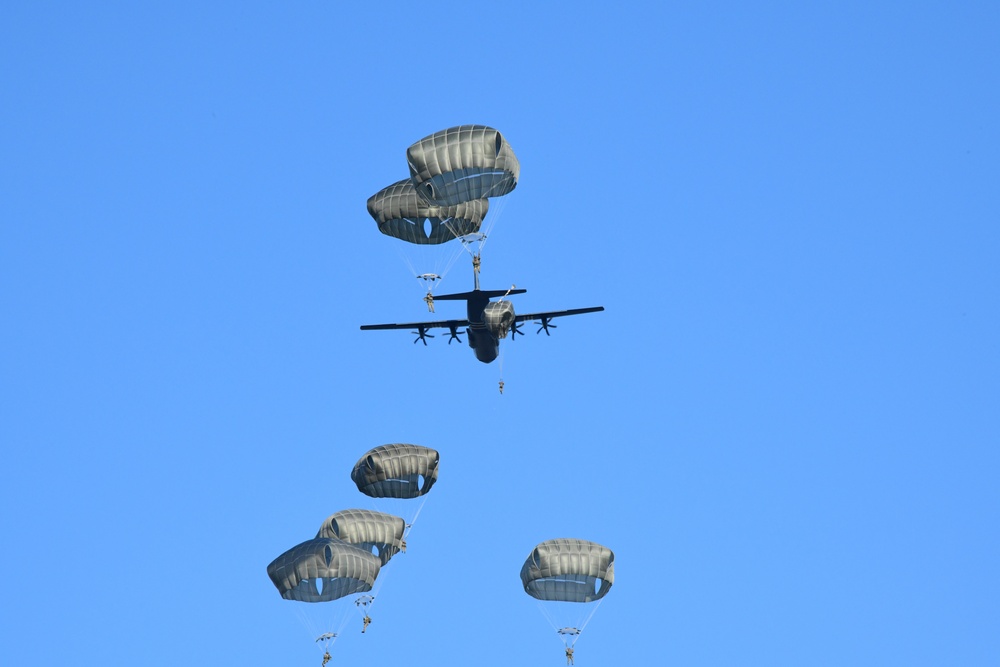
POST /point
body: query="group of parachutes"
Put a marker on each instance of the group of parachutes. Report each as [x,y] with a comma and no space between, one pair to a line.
[452,174]
[353,545]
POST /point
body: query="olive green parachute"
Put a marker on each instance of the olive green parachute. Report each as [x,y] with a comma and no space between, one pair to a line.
[367,529]
[396,471]
[400,213]
[568,570]
[462,164]
[323,569]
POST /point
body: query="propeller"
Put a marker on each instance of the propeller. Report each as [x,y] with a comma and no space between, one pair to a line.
[453,335]
[546,325]
[422,335]
[515,331]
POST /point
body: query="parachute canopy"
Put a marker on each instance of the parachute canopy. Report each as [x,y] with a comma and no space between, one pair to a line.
[461,164]
[499,316]
[396,471]
[568,570]
[367,529]
[323,569]
[400,213]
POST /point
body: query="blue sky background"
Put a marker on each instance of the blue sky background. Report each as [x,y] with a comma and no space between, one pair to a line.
[785,424]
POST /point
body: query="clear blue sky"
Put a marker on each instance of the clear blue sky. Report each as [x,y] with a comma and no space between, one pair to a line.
[785,424]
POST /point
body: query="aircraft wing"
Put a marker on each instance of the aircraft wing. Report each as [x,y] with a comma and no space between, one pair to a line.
[440,324]
[556,313]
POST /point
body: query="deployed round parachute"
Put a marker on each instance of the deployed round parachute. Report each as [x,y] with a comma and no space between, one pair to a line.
[568,570]
[563,573]
[400,213]
[323,569]
[499,317]
[462,164]
[367,529]
[396,471]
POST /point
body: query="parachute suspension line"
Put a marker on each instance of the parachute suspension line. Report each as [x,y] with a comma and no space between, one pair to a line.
[454,253]
[547,615]
[427,283]
[500,364]
[406,260]
[326,640]
[589,616]
[440,258]
[582,624]
[366,601]
[497,205]
[376,589]
[501,344]
[565,633]
[409,526]
[451,228]
[324,625]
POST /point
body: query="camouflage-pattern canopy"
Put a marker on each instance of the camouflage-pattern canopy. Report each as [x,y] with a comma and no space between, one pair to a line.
[395,471]
[323,569]
[462,164]
[367,529]
[400,213]
[568,570]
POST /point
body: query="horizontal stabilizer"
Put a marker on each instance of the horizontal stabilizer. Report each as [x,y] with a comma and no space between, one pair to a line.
[478,294]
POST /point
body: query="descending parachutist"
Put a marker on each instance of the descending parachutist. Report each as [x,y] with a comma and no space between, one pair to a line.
[501,387]
[326,658]
[569,655]
[475,262]
[367,621]
[429,300]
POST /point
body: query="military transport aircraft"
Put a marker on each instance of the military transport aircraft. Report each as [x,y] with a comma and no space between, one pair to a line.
[488,321]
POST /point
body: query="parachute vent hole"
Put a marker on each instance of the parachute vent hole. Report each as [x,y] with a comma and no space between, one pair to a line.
[499,144]
[427,227]
[319,585]
[335,528]
[370,463]
[328,554]
[376,551]
[429,190]
[420,481]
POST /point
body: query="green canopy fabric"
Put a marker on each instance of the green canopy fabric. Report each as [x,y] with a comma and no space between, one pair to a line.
[396,471]
[367,529]
[400,213]
[461,164]
[323,569]
[568,570]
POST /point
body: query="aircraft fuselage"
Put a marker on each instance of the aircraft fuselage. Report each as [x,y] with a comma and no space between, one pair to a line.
[483,342]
